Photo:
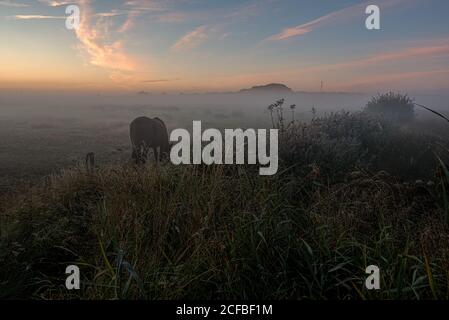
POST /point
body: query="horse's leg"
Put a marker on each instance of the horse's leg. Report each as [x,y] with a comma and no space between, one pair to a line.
[156,155]
[140,154]
[135,155]
[145,154]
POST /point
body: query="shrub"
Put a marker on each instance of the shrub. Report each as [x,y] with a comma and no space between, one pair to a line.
[393,106]
[341,142]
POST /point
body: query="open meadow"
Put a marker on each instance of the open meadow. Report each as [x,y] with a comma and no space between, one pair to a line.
[353,189]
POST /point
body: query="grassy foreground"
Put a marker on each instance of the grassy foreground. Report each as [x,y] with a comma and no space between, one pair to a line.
[214,232]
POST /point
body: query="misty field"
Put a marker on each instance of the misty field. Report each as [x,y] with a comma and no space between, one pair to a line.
[352,190]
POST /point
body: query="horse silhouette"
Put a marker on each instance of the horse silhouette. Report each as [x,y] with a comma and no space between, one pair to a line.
[146,134]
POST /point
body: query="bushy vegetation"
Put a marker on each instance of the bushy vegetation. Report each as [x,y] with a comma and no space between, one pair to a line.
[396,107]
[343,141]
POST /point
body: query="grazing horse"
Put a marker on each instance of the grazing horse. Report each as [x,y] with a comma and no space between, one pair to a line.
[145,134]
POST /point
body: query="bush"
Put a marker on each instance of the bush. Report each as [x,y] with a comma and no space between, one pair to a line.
[393,106]
[341,142]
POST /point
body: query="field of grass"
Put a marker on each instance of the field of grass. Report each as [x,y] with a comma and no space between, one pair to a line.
[37,142]
[351,191]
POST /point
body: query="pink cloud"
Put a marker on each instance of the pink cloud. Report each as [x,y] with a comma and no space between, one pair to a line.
[36,17]
[403,54]
[56,3]
[419,79]
[192,39]
[331,18]
[93,42]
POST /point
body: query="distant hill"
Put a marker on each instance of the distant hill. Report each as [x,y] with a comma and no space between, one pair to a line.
[269,88]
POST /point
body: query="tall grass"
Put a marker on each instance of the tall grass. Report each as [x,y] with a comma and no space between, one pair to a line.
[170,233]
[198,232]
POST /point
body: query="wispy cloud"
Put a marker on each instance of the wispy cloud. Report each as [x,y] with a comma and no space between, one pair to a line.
[35,17]
[408,53]
[56,3]
[251,9]
[13,4]
[192,39]
[158,80]
[93,41]
[99,41]
[412,53]
[130,20]
[422,60]
[110,14]
[136,8]
[396,80]
[147,5]
[344,14]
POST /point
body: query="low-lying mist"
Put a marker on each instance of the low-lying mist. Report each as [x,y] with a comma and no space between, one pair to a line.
[40,133]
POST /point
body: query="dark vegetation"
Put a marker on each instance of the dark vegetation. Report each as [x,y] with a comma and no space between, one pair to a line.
[353,189]
[396,107]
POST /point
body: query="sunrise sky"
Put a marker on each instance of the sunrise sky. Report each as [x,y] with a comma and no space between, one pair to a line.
[216,45]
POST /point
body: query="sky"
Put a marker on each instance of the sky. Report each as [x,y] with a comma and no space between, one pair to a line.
[216,45]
